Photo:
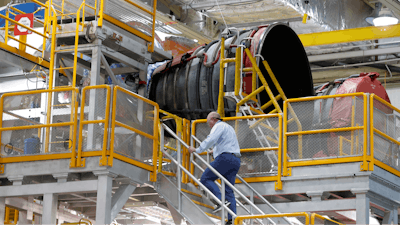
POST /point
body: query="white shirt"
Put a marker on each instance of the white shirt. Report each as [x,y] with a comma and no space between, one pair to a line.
[223,138]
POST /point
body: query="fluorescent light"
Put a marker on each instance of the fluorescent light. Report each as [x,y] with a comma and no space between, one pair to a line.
[385,21]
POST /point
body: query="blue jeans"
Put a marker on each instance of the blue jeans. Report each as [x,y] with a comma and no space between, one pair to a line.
[227,165]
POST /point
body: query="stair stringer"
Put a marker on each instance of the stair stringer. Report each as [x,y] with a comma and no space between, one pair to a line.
[190,211]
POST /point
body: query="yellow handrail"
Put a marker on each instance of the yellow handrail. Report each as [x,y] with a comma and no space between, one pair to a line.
[154,137]
[314,215]
[103,159]
[239,219]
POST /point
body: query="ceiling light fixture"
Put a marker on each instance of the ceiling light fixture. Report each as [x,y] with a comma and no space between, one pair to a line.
[385,18]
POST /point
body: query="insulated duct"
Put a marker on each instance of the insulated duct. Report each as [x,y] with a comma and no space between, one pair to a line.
[189,84]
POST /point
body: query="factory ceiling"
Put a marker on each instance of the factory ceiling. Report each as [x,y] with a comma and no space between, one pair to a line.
[207,18]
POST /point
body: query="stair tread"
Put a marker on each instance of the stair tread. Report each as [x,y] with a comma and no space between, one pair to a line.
[202,204]
[192,193]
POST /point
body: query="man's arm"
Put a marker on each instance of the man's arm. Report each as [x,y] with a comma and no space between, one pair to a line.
[210,141]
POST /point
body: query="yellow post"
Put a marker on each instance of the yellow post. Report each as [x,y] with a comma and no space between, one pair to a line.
[371,130]
[113,114]
[156,123]
[151,48]
[16,214]
[62,9]
[237,70]
[83,14]
[352,124]
[101,14]
[253,79]
[278,184]
[285,159]
[22,46]
[106,124]
[365,163]
[221,110]
[7,216]
[76,46]
[340,145]
[74,119]
[50,81]
[80,129]
[6,32]
[45,27]
[160,153]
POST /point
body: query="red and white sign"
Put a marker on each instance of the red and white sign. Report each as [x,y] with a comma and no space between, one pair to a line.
[25,19]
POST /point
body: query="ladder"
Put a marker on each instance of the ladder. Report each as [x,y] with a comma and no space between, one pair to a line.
[191,203]
[246,104]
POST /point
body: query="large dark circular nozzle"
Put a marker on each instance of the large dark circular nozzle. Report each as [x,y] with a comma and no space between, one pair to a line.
[280,46]
[189,85]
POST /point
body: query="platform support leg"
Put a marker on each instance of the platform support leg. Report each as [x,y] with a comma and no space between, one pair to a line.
[50,203]
[103,205]
[2,209]
[23,218]
[391,217]
[362,206]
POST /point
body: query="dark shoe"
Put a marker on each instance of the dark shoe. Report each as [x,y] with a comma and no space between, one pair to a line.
[219,207]
[229,222]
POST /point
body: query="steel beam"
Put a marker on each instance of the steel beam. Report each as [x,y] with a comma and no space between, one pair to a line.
[259,23]
[31,207]
[353,54]
[207,4]
[310,206]
[48,188]
[119,198]
[349,35]
[124,59]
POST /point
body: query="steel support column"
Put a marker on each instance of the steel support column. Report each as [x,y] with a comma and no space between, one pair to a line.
[103,205]
[391,216]
[2,209]
[362,206]
[95,79]
[50,203]
[23,218]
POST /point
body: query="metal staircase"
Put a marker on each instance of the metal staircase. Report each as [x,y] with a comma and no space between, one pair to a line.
[194,203]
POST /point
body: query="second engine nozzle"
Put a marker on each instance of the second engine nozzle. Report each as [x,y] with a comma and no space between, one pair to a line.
[188,86]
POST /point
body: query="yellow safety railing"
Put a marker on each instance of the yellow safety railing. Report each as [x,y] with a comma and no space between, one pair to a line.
[47,126]
[276,147]
[153,137]
[351,156]
[181,131]
[11,215]
[139,8]
[81,222]
[23,38]
[239,219]
[105,121]
[314,215]
[389,136]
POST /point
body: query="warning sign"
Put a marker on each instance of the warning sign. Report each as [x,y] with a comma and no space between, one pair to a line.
[25,19]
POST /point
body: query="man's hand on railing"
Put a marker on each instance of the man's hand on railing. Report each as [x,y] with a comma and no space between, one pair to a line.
[191,149]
